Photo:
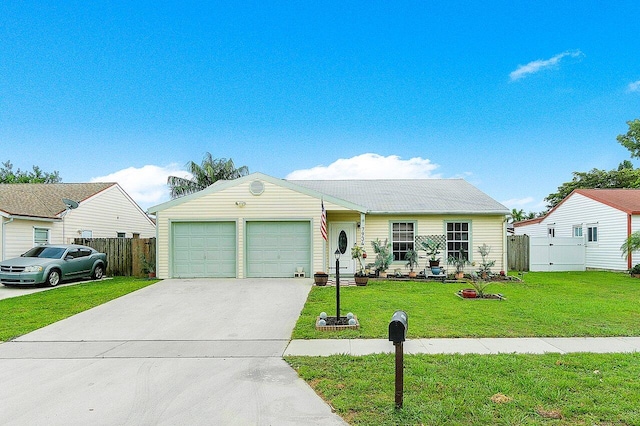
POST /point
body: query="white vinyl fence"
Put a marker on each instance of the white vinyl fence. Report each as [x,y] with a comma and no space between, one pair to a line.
[548,254]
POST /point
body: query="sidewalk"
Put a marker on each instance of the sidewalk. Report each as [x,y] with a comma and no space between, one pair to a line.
[532,345]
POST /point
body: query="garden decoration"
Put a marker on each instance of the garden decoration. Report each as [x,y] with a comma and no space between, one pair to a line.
[459,261]
[411,256]
[358,253]
[433,245]
[320,278]
[478,291]
[384,257]
[485,264]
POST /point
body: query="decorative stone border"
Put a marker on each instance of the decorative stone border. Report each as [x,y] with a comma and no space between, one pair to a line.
[488,296]
[356,326]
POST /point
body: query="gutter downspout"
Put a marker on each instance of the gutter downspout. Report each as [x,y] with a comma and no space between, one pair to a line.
[505,259]
[630,254]
[4,237]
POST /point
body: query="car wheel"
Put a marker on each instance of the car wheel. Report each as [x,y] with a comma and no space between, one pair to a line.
[53,279]
[98,273]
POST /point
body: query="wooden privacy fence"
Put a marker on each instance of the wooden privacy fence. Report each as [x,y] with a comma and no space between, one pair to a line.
[518,253]
[125,256]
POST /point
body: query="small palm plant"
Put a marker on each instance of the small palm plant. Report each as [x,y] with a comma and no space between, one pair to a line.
[631,244]
[411,256]
[459,261]
[384,257]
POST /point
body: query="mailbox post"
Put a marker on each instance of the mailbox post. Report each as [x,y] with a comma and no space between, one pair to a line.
[398,334]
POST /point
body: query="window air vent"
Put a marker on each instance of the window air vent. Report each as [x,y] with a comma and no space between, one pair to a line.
[256,187]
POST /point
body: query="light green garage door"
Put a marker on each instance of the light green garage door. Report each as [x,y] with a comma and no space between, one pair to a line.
[275,249]
[204,250]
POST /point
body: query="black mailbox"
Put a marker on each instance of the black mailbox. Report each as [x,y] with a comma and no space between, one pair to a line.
[398,327]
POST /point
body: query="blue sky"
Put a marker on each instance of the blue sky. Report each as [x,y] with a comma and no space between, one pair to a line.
[512,96]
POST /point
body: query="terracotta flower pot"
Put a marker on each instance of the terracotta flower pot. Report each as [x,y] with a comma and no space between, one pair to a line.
[469,293]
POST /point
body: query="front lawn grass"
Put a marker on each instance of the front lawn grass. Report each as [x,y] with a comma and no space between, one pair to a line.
[23,314]
[505,389]
[544,304]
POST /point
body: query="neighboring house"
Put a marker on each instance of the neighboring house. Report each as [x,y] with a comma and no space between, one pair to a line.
[260,226]
[600,218]
[33,214]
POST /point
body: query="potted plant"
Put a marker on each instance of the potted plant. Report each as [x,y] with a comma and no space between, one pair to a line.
[459,262]
[148,267]
[433,247]
[320,278]
[485,264]
[635,271]
[479,285]
[358,253]
[384,257]
[411,256]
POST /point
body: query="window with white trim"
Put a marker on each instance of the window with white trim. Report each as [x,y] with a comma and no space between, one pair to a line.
[40,236]
[592,234]
[122,234]
[457,238]
[402,239]
[577,230]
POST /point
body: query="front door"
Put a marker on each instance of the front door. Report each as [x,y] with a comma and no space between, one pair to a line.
[342,236]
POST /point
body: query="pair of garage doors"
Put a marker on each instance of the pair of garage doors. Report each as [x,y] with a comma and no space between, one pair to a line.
[210,249]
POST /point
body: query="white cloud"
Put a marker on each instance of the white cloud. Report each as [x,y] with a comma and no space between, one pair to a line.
[370,166]
[528,204]
[147,185]
[541,64]
[517,203]
[634,87]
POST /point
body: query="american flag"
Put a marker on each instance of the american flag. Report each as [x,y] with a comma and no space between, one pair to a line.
[323,222]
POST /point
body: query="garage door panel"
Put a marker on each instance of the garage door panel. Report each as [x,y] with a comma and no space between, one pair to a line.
[276,249]
[204,249]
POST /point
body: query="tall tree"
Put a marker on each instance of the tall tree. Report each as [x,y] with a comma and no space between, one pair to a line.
[516,215]
[7,175]
[631,139]
[205,174]
[624,177]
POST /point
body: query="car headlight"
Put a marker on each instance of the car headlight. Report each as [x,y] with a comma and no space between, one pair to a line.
[34,268]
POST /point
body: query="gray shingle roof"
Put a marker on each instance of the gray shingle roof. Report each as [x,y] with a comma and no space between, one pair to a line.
[44,199]
[409,195]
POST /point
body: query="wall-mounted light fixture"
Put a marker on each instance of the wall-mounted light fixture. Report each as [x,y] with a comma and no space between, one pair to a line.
[241,203]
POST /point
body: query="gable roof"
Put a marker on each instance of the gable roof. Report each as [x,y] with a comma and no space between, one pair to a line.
[378,196]
[409,195]
[624,199]
[44,200]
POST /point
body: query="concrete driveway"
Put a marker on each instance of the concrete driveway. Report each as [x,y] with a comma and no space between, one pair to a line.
[180,352]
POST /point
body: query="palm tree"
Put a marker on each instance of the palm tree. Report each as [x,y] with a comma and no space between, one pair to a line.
[209,172]
[516,215]
[631,244]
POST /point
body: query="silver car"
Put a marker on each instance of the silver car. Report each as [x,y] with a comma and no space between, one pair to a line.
[52,264]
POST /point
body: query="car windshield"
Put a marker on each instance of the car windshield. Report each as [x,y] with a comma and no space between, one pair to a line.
[46,252]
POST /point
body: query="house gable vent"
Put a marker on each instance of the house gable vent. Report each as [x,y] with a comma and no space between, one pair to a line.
[256,187]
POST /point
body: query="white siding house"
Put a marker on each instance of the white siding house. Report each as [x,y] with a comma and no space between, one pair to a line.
[32,214]
[603,218]
[260,226]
